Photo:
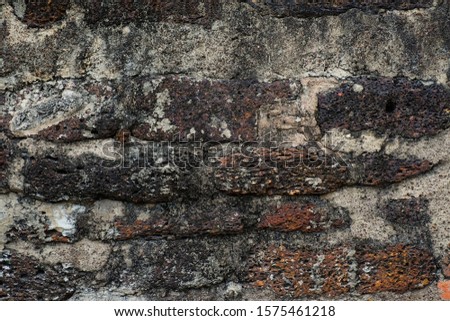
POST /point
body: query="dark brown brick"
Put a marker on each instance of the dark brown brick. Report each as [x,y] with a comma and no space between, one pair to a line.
[412,211]
[308,8]
[216,110]
[387,106]
[398,268]
[125,11]
[380,169]
[304,217]
[57,178]
[25,279]
[69,130]
[301,272]
[302,171]
[265,171]
[40,13]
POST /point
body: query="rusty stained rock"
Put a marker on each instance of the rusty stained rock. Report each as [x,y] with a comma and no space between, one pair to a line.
[212,110]
[397,107]
[398,268]
[307,8]
[302,272]
[40,13]
[110,12]
[296,273]
[23,278]
[304,171]
[306,217]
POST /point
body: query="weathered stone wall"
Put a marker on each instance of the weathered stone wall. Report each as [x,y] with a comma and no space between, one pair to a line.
[225,149]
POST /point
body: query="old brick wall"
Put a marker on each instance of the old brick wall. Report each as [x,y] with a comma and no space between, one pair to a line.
[227,150]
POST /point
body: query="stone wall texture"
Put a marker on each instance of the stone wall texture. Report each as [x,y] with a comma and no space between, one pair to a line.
[225,150]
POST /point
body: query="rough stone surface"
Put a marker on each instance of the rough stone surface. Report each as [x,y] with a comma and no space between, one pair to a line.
[124,11]
[224,150]
[304,217]
[56,178]
[306,170]
[40,13]
[399,268]
[387,106]
[182,108]
[24,278]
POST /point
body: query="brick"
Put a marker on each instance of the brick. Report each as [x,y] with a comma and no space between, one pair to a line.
[155,109]
[111,12]
[57,178]
[265,171]
[209,110]
[444,287]
[40,13]
[331,272]
[412,211]
[25,279]
[398,268]
[304,217]
[380,169]
[307,8]
[305,171]
[301,272]
[217,221]
[105,124]
[396,107]
[180,264]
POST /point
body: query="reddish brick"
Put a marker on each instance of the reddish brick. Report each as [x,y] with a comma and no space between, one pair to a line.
[308,8]
[69,130]
[39,13]
[306,217]
[387,106]
[327,272]
[444,287]
[303,272]
[398,268]
[216,110]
